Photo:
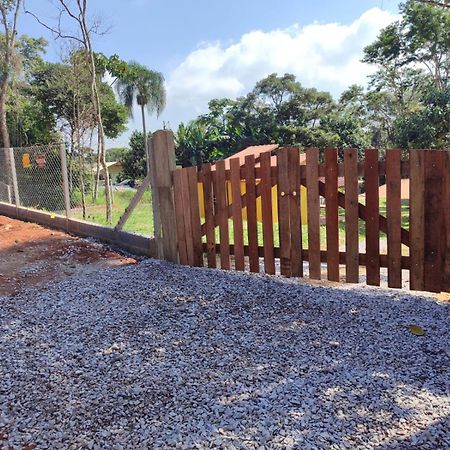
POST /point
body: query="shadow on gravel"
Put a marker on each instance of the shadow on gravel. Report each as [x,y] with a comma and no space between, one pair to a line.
[157,355]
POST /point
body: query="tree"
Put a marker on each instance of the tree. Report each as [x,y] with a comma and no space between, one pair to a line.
[421,38]
[77,11]
[146,87]
[116,153]
[9,64]
[409,92]
[133,161]
[429,126]
[28,119]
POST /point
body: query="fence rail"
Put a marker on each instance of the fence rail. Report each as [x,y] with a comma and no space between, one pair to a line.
[354,229]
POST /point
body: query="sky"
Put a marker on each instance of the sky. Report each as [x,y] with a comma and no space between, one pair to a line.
[212,49]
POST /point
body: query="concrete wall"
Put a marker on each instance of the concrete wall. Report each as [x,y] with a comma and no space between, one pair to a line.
[134,243]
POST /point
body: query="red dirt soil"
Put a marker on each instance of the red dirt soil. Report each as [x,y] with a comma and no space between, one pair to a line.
[31,255]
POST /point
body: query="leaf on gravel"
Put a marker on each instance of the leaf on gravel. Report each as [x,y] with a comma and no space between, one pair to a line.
[416,330]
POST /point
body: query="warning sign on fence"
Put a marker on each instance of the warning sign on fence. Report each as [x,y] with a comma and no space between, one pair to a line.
[26,161]
[40,161]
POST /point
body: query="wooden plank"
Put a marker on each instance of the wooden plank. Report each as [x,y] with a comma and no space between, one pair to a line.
[351,216]
[332,213]
[267,214]
[393,198]
[433,217]
[446,223]
[341,196]
[195,216]
[416,219]
[283,212]
[371,183]
[404,168]
[362,212]
[180,216]
[237,214]
[252,221]
[323,256]
[312,183]
[294,212]
[186,200]
[220,191]
[209,215]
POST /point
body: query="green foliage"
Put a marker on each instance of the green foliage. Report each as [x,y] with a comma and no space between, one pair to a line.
[429,127]
[116,154]
[422,38]
[65,90]
[145,86]
[278,110]
[134,161]
[409,102]
[114,114]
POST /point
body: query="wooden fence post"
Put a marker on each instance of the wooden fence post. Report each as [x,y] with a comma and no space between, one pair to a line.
[446,222]
[163,165]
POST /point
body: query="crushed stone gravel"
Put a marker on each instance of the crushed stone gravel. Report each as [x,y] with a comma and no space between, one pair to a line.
[159,356]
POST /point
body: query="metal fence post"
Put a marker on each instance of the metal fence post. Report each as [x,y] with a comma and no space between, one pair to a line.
[12,165]
[65,179]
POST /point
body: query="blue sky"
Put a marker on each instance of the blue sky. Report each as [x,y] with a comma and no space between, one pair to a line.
[208,49]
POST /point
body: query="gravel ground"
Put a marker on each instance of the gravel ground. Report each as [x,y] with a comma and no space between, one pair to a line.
[162,356]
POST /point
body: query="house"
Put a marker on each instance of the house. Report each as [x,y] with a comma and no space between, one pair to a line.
[256,151]
[114,169]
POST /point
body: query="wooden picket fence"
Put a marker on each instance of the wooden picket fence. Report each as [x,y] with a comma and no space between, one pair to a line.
[423,248]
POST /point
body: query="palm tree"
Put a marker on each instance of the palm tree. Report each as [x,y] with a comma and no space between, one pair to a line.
[146,86]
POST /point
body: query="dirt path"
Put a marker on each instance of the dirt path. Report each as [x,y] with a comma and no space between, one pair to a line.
[31,254]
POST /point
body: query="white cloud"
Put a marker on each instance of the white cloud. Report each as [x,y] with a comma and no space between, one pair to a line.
[326,56]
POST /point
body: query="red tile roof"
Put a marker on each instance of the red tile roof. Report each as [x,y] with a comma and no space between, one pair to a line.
[256,150]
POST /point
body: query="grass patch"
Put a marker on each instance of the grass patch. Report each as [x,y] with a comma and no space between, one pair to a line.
[140,221]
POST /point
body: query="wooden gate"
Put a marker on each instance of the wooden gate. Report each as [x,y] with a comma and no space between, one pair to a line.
[236,227]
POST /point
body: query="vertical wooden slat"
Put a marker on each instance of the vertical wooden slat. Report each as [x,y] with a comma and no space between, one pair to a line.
[416,219]
[433,215]
[235,169]
[283,212]
[351,216]
[180,216]
[209,215]
[294,212]
[393,198]
[220,191]
[195,216]
[312,182]
[185,194]
[332,213]
[446,224]
[252,222]
[267,215]
[372,189]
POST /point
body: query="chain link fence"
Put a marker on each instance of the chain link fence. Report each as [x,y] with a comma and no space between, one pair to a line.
[88,197]
[32,177]
[38,172]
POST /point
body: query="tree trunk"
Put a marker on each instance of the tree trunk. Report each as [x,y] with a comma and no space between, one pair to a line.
[3,124]
[144,129]
[97,108]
